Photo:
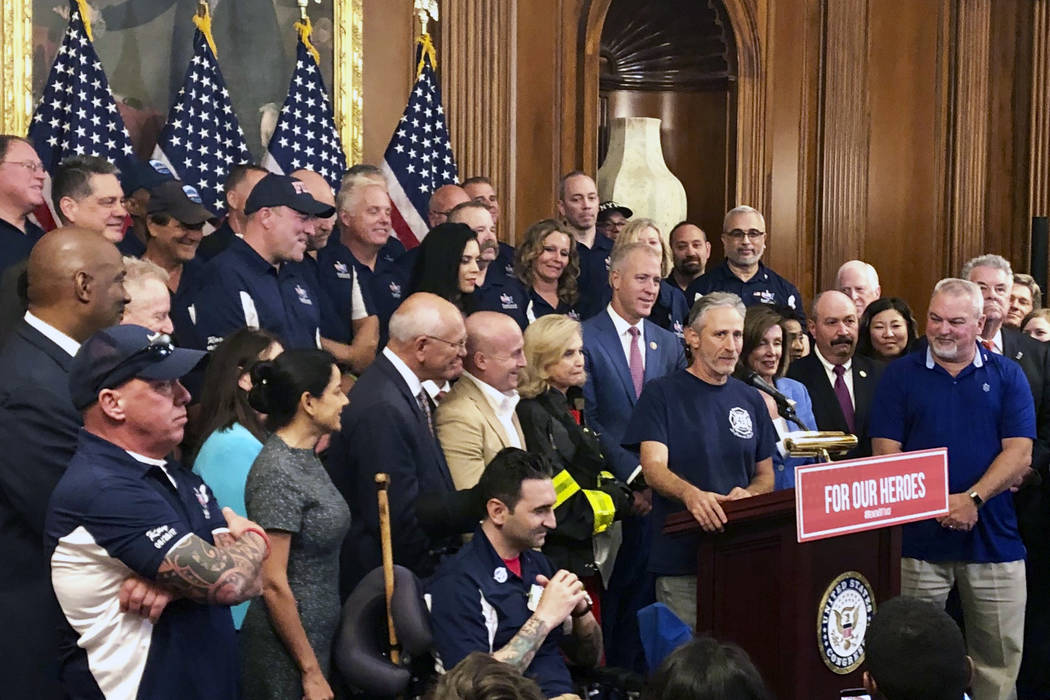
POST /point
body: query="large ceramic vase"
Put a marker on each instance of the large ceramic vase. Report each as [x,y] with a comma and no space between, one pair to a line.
[634,173]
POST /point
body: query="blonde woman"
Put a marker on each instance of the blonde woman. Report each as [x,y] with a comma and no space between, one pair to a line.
[554,364]
[671,311]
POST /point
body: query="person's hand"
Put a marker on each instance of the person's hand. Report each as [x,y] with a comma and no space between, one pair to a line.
[238,524]
[1026,478]
[706,509]
[962,513]
[315,687]
[642,502]
[562,593]
[144,598]
[737,493]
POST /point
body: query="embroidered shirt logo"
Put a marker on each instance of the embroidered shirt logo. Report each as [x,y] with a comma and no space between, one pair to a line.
[201,492]
[160,536]
[507,301]
[341,270]
[304,298]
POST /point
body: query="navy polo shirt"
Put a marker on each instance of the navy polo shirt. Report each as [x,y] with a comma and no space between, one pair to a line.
[537,307]
[243,289]
[216,241]
[918,404]
[503,294]
[112,515]
[505,259]
[190,282]
[715,435]
[16,245]
[343,298]
[765,287]
[478,604]
[130,245]
[594,275]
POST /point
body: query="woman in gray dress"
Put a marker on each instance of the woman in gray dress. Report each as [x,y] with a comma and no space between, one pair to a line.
[286,639]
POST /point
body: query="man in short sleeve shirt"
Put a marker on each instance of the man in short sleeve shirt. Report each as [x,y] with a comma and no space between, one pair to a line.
[123,507]
[705,438]
[958,395]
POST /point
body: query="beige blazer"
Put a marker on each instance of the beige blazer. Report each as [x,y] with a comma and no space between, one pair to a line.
[469,432]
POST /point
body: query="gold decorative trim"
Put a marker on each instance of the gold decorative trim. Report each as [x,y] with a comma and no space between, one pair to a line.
[16,70]
[347,86]
[16,66]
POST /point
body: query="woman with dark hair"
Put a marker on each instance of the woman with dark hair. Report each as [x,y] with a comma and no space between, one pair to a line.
[548,264]
[286,640]
[234,431]
[706,669]
[765,352]
[887,330]
[447,265]
[1037,325]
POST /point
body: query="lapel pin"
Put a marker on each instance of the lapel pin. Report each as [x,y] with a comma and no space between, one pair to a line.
[652,345]
[863,374]
[1019,355]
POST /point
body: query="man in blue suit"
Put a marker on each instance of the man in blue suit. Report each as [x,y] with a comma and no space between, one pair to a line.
[76,287]
[623,350]
[388,427]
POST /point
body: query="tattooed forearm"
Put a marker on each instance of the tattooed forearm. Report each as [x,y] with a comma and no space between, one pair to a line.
[584,646]
[523,646]
[225,575]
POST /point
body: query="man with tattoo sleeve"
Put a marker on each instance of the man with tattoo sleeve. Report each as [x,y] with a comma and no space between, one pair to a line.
[501,596]
[123,508]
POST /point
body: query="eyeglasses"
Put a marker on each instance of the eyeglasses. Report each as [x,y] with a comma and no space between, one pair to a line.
[752,234]
[460,345]
[30,165]
[158,348]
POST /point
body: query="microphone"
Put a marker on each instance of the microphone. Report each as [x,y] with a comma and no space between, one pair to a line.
[785,405]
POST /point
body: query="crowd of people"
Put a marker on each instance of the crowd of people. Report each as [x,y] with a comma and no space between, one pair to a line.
[192,424]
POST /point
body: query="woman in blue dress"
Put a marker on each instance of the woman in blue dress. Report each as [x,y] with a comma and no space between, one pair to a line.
[765,352]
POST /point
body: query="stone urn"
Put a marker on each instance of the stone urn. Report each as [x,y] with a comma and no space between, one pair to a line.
[634,173]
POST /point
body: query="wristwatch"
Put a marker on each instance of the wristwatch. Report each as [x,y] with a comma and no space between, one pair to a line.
[977,500]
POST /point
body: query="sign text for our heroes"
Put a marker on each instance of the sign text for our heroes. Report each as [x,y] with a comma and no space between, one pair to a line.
[874,495]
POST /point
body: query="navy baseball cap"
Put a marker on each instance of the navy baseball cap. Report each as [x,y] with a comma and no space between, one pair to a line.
[119,354]
[138,175]
[284,191]
[180,201]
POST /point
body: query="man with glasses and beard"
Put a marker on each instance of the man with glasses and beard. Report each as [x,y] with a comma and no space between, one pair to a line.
[957,394]
[742,272]
[840,382]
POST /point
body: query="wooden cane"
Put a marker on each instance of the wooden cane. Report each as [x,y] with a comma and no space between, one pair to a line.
[382,483]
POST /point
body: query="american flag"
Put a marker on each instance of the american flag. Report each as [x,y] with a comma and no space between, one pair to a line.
[305,135]
[203,139]
[77,114]
[419,158]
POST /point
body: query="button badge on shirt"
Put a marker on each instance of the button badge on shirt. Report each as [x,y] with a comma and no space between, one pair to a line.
[500,574]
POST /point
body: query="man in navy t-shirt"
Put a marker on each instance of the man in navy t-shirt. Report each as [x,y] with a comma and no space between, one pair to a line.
[705,438]
[124,507]
[976,403]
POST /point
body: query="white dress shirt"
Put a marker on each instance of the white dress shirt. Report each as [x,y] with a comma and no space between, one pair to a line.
[503,404]
[53,334]
[847,376]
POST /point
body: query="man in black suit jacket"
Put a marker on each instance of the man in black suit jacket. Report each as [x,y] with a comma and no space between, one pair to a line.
[387,427]
[993,274]
[833,325]
[76,287]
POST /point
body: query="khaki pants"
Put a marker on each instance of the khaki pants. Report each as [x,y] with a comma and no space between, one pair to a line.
[993,599]
[678,593]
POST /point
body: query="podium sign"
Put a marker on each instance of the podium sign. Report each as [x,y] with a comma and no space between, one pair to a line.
[863,494]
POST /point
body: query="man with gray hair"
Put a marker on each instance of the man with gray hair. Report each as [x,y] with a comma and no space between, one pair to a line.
[993,274]
[388,427]
[705,438]
[147,286]
[959,395]
[860,282]
[742,273]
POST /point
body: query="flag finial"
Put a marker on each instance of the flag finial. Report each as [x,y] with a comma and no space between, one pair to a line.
[202,20]
[426,10]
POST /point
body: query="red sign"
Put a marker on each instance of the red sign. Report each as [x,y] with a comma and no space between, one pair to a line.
[863,494]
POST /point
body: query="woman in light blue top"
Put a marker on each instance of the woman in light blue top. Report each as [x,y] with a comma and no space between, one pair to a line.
[234,431]
[764,352]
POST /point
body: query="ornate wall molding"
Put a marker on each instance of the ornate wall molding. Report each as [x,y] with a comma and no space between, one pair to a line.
[846,124]
[1039,177]
[347,86]
[478,39]
[752,162]
[968,123]
[16,66]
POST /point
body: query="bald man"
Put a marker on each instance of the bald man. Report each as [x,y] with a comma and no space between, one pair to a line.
[75,287]
[349,326]
[477,419]
[443,201]
[388,427]
[840,382]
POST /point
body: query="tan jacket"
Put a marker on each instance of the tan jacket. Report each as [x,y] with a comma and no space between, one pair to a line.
[469,432]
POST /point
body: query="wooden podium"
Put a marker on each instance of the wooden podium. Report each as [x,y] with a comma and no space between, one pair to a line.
[758,587]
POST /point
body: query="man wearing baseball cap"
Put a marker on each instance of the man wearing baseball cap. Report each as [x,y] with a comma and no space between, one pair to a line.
[137,179]
[612,217]
[175,218]
[124,505]
[248,284]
